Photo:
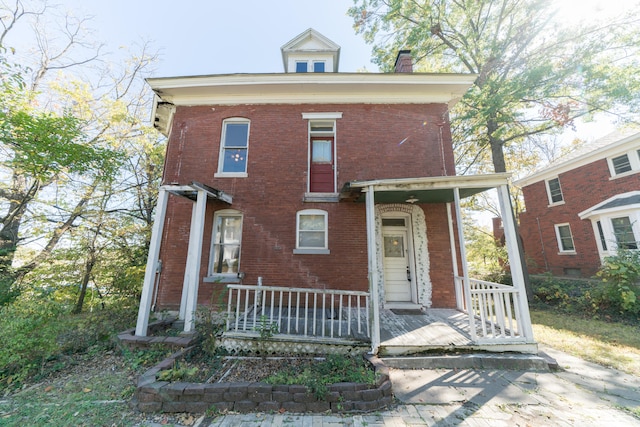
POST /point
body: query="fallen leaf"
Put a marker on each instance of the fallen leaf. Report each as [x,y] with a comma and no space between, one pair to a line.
[86,390]
[48,388]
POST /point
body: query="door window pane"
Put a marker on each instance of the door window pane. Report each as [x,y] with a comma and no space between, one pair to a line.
[393,247]
[321,151]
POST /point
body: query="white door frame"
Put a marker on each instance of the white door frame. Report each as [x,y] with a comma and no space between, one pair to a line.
[408,229]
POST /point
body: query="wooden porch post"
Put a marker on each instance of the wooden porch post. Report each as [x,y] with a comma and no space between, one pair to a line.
[517,274]
[194,257]
[373,269]
[188,267]
[152,264]
[465,267]
[454,259]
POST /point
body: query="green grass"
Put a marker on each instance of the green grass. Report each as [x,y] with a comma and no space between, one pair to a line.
[614,345]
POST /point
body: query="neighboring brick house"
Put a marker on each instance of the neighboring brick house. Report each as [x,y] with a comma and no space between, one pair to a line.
[267,180]
[583,207]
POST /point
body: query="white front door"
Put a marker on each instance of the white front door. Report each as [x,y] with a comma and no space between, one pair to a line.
[397,260]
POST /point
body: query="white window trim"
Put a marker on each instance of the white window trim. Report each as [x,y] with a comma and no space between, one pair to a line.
[546,184]
[634,162]
[220,173]
[561,250]
[312,251]
[223,277]
[320,116]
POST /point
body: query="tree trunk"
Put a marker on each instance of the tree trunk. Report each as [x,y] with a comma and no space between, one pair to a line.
[499,165]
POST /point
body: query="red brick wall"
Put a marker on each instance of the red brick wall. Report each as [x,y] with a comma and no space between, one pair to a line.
[582,188]
[373,142]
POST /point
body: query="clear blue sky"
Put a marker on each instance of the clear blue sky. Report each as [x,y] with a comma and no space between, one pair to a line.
[198,37]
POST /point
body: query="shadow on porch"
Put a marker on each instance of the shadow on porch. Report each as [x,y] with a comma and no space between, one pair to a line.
[439,330]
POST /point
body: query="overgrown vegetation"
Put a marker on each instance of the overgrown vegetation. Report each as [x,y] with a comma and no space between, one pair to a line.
[333,369]
[613,295]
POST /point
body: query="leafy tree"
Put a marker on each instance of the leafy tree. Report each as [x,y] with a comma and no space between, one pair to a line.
[534,75]
[74,147]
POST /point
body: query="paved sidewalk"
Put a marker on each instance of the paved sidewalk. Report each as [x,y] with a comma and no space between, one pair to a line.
[580,394]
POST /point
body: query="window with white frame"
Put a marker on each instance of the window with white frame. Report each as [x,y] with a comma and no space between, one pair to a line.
[234,148]
[623,232]
[625,164]
[554,191]
[225,243]
[565,238]
[311,232]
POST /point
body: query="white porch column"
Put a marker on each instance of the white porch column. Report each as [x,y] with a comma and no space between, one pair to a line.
[194,257]
[517,274]
[188,267]
[373,269]
[454,259]
[465,267]
[152,264]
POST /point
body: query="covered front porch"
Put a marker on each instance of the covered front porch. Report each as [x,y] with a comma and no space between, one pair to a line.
[283,318]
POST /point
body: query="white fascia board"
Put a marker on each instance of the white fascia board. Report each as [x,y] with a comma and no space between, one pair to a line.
[312,88]
[618,147]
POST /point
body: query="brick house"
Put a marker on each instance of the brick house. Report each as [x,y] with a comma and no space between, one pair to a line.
[313,191]
[583,207]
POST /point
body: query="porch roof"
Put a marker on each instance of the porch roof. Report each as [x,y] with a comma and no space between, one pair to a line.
[191,191]
[432,189]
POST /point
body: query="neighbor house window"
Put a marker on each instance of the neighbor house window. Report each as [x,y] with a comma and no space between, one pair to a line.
[225,245]
[565,239]
[311,232]
[234,147]
[623,232]
[621,164]
[603,240]
[554,191]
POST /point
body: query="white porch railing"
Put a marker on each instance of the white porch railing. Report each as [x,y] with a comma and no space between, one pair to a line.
[495,315]
[316,313]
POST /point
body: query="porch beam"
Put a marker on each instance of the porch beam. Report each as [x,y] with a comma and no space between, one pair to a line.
[152,264]
[513,252]
[465,267]
[194,257]
[373,269]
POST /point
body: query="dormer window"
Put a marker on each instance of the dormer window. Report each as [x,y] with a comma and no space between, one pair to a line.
[310,52]
[318,67]
[301,66]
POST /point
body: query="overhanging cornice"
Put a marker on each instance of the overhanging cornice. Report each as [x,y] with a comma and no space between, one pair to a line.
[390,88]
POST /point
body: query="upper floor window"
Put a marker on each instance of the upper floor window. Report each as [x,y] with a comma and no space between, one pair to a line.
[565,238]
[554,191]
[625,164]
[234,147]
[621,164]
[225,243]
[623,232]
[301,66]
[318,66]
[311,232]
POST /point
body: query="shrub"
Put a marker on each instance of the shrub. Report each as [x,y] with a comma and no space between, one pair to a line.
[621,273]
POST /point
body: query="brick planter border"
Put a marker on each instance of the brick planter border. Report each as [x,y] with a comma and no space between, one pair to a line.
[161,396]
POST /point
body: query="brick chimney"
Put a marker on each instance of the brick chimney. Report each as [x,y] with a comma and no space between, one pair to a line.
[404,63]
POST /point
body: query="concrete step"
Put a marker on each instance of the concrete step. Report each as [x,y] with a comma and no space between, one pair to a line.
[505,361]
